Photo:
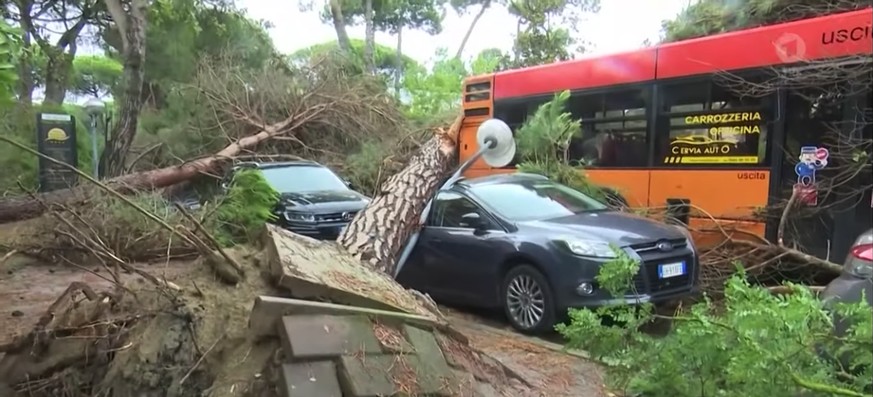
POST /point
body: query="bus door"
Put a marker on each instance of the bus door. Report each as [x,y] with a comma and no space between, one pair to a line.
[711,151]
[826,131]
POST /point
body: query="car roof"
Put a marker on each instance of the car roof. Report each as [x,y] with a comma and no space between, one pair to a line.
[514,177]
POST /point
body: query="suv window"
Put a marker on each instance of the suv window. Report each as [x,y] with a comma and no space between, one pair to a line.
[450,207]
[303,179]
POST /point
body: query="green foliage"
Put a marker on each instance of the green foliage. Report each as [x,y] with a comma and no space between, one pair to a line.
[708,17]
[544,141]
[248,205]
[757,344]
[546,27]
[437,91]
[10,46]
[390,15]
[616,276]
[95,75]
[363,168]
[385,57]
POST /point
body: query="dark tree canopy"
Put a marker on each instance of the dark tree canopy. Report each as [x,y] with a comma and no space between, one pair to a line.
[708,17]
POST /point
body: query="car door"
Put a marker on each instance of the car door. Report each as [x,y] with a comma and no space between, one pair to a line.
[455,255]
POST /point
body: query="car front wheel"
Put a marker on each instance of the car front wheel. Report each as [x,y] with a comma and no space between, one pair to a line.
[527,300]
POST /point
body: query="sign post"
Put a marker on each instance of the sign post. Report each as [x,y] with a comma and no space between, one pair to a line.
[56,138]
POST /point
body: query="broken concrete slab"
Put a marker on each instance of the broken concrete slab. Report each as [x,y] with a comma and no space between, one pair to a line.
[313,269]
[369,376]
[268,310]
[308,337]
[310,379]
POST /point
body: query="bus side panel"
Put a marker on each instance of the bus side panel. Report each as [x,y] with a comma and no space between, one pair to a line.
[467,145]
[727,195]
[731,194]
[633,185]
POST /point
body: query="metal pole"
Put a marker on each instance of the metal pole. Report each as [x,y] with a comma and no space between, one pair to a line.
[94,160]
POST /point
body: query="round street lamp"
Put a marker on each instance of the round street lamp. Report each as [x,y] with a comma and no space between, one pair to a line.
[95,108]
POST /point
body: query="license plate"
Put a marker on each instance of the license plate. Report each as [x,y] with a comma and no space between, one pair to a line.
[671,270]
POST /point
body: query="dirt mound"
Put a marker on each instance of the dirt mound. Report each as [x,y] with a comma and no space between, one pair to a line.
[190,336]
[183,339]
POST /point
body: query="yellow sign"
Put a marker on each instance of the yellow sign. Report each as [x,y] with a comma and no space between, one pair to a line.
[711,160]
[723,118]
[56,135]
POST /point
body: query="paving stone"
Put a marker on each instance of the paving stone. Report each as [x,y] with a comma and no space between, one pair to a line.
[432,377]
[310,379]
[466,384]
[432,371]
[367,376]
[269,310]
[307,337]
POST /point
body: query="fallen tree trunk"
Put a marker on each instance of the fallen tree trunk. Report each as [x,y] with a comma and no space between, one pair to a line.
[378,233]
[24,207]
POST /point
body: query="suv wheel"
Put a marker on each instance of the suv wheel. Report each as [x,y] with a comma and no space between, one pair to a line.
[528,300]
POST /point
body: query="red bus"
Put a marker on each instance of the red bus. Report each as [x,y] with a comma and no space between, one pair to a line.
[662,125]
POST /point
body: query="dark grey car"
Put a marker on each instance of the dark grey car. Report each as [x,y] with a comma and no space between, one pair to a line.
[533,247]
[855,282]
[314,201]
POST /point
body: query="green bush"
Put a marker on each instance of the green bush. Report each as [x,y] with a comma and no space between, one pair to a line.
[242,213]
[543,144]
[752,344]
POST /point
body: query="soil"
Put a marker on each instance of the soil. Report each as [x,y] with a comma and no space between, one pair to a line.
[193,341]
[538,359]
[179,341]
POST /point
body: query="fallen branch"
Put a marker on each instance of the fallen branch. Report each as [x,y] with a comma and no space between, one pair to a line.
[20,208]
[189,238]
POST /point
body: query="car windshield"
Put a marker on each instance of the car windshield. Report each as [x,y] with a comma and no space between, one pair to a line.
[535,200]
[303,179]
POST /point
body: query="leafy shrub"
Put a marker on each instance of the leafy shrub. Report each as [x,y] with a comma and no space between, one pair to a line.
[543,144]
[755,344]
[248,205]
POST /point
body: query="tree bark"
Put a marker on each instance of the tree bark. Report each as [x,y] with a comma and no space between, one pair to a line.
[378,233]
[23,207]
[398,61]
[339,24]
[132,26]
[369,38]
[60,62]
[472,26]
[25,64]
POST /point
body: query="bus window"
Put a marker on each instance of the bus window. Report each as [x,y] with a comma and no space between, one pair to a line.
[515,113]
[613,129]
[700,123]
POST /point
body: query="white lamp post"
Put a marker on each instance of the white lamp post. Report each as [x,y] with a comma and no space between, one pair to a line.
[95,108]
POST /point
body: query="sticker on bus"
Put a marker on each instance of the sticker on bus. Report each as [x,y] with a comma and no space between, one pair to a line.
[711,160]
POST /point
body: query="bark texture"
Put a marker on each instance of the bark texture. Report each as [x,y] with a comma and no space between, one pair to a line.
[132,27]
[472,26]
[339,24]
[378,234]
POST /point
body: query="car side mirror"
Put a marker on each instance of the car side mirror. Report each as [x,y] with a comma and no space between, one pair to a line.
[472,220]
[349,184]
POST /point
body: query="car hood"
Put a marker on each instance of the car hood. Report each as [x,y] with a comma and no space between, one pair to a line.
[339,199]
[614,227]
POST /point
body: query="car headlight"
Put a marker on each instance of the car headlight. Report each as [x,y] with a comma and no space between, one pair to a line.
[299,217]
[597,249]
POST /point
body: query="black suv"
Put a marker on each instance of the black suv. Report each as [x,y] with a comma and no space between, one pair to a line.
[314,201]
